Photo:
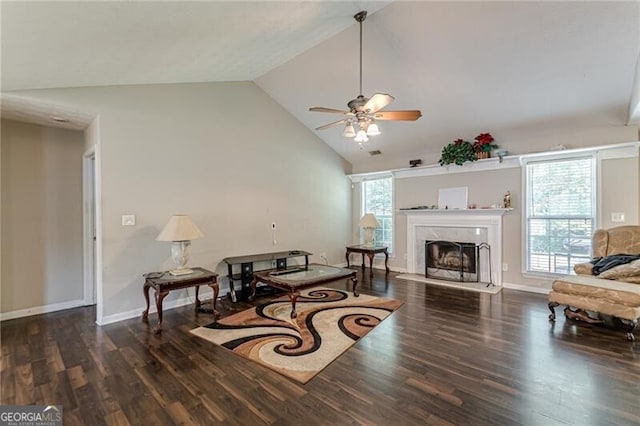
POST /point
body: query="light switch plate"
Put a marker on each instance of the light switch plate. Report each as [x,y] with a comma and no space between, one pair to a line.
[128,220]
[617,217]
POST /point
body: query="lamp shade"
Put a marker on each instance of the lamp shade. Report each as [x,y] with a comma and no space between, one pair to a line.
[369,221]
[179,228]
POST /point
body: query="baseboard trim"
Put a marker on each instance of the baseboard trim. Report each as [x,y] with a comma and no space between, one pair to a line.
[377,264]
[44,309]
[526,288]
[170,304]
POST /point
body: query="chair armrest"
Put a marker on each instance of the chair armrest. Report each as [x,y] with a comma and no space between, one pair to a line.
[583,268]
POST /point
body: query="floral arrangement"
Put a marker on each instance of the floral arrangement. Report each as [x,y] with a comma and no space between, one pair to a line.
[457,152]
[483,143]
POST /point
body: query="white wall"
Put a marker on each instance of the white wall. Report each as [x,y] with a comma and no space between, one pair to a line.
[41,216]
[224,153]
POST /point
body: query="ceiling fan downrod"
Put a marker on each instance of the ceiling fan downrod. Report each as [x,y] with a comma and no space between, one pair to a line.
[360,17]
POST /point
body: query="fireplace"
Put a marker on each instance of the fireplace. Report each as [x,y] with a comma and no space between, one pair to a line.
[483,227]
[451,260]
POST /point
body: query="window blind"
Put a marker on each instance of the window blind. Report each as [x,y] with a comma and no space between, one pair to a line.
[559,214]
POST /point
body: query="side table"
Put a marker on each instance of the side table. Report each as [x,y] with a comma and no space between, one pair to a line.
[370,251]
[166,282]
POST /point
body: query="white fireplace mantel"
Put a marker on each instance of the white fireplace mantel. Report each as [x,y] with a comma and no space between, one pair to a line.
[484,212]
[489,219]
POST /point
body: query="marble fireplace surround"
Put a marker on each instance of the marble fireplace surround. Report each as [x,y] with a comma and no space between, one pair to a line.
[484,224]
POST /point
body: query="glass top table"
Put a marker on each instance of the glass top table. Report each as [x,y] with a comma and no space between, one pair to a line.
[293,280]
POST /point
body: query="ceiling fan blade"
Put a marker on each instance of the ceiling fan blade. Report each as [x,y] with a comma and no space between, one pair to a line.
[331,110]
[409,115]
[334,124]
[377,102]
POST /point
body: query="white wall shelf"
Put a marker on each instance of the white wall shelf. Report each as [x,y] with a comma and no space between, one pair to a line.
[622,150]
[487,212]
[436,169]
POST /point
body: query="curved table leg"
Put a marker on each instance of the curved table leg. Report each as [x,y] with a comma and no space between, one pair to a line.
[354,282]
[386,260]
[370,256]
[293,296]
[159,298]
[198,303]
[214,286]
[363,262]
[252,296]
[347,256]
[145,290]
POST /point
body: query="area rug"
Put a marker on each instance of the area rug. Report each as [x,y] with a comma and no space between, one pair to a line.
[329,322]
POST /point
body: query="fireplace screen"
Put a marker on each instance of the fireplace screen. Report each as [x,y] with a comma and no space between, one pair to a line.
[450,260]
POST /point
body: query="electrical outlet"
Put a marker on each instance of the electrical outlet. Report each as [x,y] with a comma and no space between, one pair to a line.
[128,220]
[617,217]
[505,267]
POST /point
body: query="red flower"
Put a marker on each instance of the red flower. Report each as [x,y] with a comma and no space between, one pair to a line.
[484,138]
[483,143]
[458,142]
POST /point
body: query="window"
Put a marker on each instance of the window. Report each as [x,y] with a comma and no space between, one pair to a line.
[377,198]
[560,213]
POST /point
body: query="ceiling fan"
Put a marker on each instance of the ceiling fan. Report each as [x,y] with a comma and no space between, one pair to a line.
[363,112]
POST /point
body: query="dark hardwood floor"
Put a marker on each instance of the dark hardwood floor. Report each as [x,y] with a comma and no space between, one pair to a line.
[445,357]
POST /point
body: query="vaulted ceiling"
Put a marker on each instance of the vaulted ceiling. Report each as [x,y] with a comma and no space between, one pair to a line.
[504,67]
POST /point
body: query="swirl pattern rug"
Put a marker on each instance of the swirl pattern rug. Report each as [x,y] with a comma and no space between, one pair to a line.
[329,322]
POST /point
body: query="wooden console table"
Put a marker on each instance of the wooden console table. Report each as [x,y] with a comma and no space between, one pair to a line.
[246,263]
[166,282]
[370,251]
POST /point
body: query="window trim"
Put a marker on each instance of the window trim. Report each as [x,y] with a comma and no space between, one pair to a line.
[378,176]
[596,183]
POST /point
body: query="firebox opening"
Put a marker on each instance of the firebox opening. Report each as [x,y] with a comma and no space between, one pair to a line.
[450,260]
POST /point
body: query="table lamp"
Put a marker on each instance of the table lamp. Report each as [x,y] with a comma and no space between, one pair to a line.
[180,230]
[369,223]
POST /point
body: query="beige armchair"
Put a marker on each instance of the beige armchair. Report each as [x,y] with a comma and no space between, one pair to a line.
[607,242]
[614,292]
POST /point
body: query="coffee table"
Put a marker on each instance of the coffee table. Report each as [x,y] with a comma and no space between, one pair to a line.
[295,279]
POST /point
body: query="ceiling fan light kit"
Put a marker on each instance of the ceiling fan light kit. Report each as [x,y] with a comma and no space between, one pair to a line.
[361,136]
[372,129]
[363,112]
[349,131]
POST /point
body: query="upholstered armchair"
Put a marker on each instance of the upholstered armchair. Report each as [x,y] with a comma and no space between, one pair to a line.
[614,292]
[607,242]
